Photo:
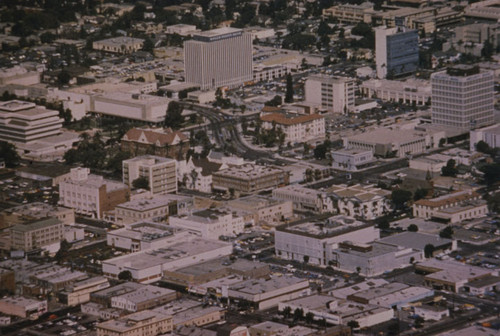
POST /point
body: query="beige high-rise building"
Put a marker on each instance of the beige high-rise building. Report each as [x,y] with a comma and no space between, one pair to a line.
[219,58]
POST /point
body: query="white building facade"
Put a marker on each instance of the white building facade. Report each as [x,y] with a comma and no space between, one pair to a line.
[334,94]
[160,172]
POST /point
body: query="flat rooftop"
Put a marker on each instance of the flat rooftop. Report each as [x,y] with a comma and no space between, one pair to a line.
[415,240]
[158,201]
[259,286]
[333,226]
[386,136]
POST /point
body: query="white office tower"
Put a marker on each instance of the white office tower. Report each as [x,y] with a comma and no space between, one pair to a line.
[219,58]
[396,51]
[334,94]
[463,98]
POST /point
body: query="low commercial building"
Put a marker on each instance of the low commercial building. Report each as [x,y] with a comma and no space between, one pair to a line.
[410,91]
[312,241]
[388,142]
[37,211]
[155,209]
[249,178]
[143,298]
[79,292]
[303,198]
[119,45]
[360,201]
[432,313]
[418,241]
[267,293]
[490,135]
[451,208]
[485,285]
[351,13]
[210,223]
[269,328]
[38,234]
[161,142]
[91,195]
[148,266]
[143,236]
[187,312]
[340,312]
[392,295]
[182,29]
[23,307]
[352,159]
[371,260]
[432,163]
[160,172]
[103,297]
[296,128]
[450,275]
[129,106]
[144,323]
[264,210]
[19,75]
[46,174]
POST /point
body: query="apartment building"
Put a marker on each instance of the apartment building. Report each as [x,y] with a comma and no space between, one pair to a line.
[452,208]
[219,58]
[24,122]
[297,128]
[361,201]
[156,209]
[144,323]
[155,141]
[210,223]
[263,209]
[91,195]
[334,94]
[312,240]
[396,51]
[463,98]
[119,45]
[160,172]
[36,234]
[249,178]
[351,13]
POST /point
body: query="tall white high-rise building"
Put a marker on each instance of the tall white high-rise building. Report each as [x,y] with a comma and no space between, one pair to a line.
[463,97]
[335,94]
[219,58]
[396,51]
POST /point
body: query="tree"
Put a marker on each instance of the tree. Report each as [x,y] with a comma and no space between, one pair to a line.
[298,314]
[320,151]
[483,147]
[148,45]
[8,154]
[125,275]
[429,250]
[447,232]
[63,77]
[174,118]
[487,50]
[420,193]
[413,228]
[491,173]
[276,101]
[419,322]
[450,169]
[400,197]
[289,89]
[287,312]
[141,182]
[384,224]
[353,324]
[306,259]
[309,318]
[63,251]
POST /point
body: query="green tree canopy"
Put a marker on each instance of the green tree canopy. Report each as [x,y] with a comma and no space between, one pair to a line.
[447,232]
[399,198]
[289,89]
[174,118]
[141,182]
[413,228]
[8,154]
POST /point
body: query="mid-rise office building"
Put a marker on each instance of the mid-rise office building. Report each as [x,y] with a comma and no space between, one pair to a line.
[90,194]
[396,51]
[25,122]
[463,98]
[37,234]
[219,58]
[160,172]
[334,94]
